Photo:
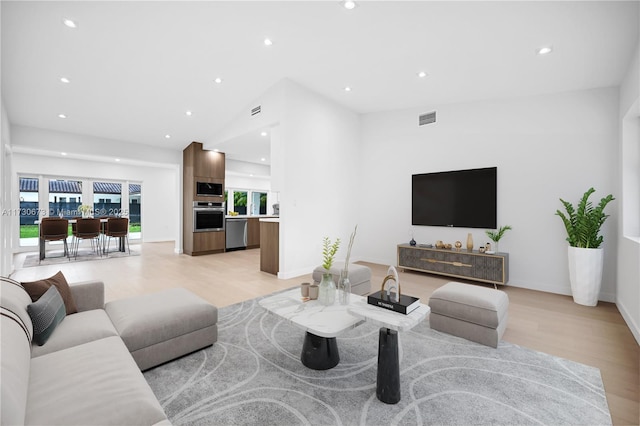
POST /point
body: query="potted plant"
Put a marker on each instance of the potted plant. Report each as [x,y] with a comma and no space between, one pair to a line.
[327,290]
[497,235]
[584,253]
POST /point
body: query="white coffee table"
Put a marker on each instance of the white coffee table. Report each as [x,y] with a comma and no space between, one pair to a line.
[388,380]
[321,323]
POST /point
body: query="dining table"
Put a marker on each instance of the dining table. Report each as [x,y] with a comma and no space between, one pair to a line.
[103,221]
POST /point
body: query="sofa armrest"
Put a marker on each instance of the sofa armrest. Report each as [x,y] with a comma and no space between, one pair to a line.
[88,295]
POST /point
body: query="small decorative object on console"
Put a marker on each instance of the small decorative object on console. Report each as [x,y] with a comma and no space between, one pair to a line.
[458,245]
[394,301]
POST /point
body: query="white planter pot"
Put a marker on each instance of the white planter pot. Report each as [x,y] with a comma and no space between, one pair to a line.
[585,274]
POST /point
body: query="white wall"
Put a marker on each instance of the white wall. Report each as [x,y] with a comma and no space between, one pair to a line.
[161,182]
[315,147]
[321,170]
[628,265]
[545,148]
[9,220]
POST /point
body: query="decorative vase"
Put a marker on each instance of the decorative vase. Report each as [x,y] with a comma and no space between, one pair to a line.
[85,214]
[327,290]
[585,274]
[344,288]
[469,242]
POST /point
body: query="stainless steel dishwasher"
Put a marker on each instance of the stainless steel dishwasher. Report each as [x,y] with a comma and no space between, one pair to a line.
[236,233]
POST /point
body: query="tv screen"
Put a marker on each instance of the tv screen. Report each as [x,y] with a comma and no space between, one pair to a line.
[460,198]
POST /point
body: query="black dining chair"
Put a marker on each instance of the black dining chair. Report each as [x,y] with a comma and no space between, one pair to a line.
[87,229]
[117,227]
[53,229]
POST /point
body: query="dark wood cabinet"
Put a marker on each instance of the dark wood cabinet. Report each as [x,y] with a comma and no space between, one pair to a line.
[270,247]
[253,233]
[204,166]
[470,265]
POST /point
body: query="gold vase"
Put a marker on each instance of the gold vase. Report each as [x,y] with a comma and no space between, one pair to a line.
[469,242]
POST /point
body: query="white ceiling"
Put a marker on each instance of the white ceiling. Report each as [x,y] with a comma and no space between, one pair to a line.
[136,67]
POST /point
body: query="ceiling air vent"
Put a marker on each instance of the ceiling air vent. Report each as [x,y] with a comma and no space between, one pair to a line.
[427,118]
[255,110]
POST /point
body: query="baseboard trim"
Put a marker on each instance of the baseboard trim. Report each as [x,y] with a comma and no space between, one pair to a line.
[633,326]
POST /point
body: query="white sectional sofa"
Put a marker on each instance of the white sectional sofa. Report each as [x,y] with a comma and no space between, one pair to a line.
[84,373]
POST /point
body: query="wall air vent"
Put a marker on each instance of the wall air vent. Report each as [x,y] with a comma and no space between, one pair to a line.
[255,110]
[427,118]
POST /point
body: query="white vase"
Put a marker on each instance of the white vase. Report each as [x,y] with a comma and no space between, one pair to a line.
[585,274]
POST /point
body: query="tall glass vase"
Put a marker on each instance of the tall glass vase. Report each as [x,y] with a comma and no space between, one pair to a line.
[344,288]
[327,290]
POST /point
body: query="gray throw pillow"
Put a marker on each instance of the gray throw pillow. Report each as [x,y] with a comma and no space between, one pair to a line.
[46,314]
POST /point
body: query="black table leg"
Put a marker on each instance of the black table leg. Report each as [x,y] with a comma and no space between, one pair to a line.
[319,353]
[388,383]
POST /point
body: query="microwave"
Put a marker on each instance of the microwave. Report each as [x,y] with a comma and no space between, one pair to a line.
[209,189]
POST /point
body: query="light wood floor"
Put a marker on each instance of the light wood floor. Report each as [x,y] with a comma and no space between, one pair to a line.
[542,321]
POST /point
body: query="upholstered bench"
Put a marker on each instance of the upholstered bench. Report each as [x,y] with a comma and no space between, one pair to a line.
[162,326]
[359,276]
[469,311]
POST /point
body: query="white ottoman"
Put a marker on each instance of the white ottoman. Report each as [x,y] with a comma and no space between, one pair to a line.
[162,326]
[469,311]
[359,276]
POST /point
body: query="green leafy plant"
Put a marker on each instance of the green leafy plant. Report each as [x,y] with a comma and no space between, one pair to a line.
[495,236]
[329,252]
[583,223]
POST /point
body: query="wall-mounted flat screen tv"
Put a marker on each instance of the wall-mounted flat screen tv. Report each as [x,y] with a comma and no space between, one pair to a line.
[459,198]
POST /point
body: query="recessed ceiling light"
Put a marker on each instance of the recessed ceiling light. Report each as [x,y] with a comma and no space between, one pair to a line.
[117,160]
[267,42]
[62,116]
[63,153]
[250,174]
[64,80]
[422,74]
[167,136]
[216,150]
[69,23]
[263,134]
[263,159]
[188,113]
[544,50]
[218,80]
[348,4]
[347,89]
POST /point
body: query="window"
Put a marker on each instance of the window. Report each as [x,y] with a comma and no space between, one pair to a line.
[107,199]
[135,225]
[240,202]
[29,207]
[258,203]
[60,194]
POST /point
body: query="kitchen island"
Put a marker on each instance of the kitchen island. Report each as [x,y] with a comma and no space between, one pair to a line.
[270,245]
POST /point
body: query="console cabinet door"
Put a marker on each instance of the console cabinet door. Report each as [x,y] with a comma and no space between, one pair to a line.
[490,268]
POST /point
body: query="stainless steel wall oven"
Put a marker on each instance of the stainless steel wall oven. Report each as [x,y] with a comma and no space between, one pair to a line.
[208,216]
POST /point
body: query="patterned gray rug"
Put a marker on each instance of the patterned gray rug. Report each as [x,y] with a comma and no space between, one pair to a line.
[253,375]
[55,257]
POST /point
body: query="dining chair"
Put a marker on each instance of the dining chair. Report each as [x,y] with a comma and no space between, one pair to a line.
[53,229]
[87,228]
[117,227]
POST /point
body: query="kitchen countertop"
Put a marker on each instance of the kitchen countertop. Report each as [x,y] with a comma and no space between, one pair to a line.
[246,216]
[273,219]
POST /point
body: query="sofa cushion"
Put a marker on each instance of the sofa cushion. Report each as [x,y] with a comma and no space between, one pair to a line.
[37,288]
[46,314]
[14,369]
[14,301]
[93,383]
[77,329]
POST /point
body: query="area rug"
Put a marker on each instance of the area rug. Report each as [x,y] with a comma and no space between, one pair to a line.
[253,376]
[55,257]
